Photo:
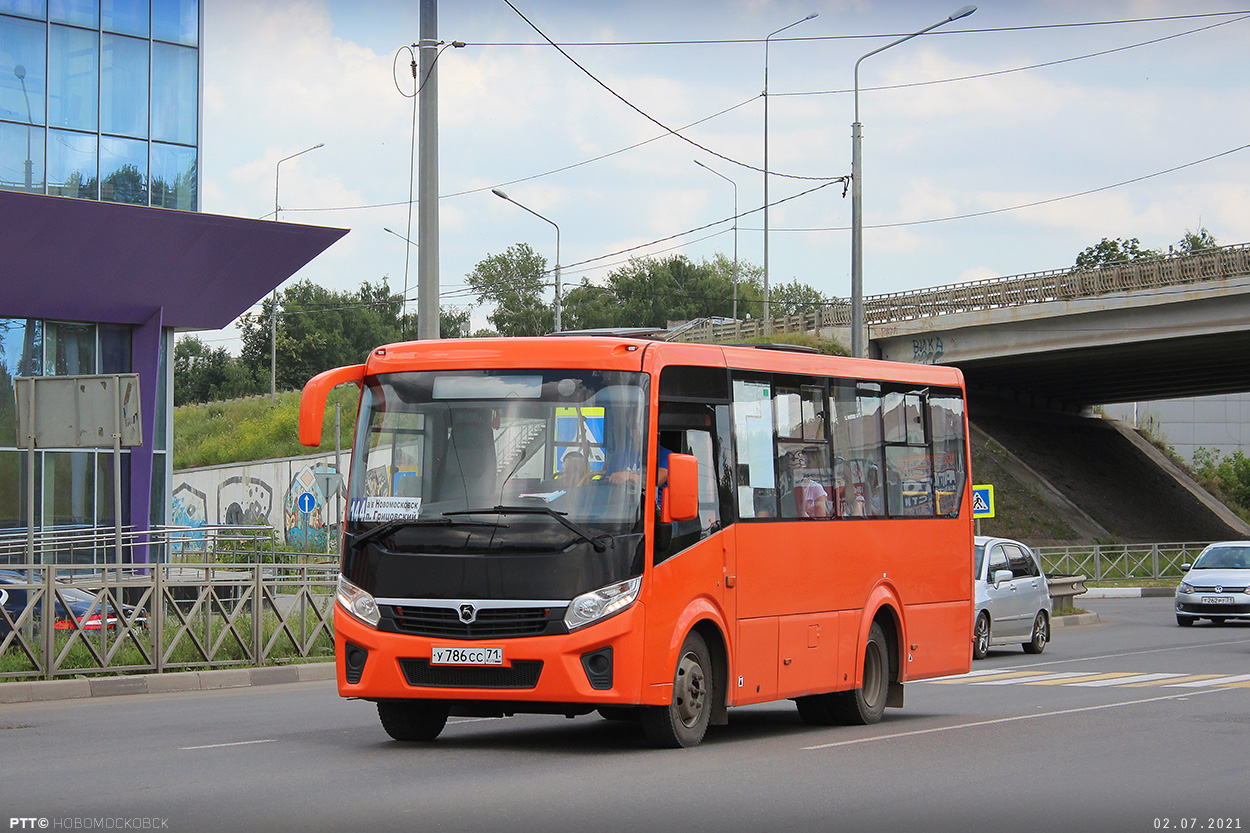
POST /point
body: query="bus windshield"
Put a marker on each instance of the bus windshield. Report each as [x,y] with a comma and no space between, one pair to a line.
[497,460]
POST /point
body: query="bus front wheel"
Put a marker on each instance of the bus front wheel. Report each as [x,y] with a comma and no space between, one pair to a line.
[683,722]
[413,720]
[865,705]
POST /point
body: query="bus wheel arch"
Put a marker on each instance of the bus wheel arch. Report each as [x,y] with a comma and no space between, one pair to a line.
[683,722]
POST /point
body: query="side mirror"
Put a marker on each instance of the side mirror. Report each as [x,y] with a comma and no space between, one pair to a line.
[1186,567]
[312,405]
[1002,575]
[681,496]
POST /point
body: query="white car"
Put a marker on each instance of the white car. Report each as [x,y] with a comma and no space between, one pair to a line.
[1012,597]
[1215,586]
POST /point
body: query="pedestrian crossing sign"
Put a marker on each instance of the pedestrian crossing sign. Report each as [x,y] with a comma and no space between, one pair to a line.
[982,501]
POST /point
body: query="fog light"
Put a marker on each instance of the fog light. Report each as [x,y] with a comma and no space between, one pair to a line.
[354,659]
[598,668]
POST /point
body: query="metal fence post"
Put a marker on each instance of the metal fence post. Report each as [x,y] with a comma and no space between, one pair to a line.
[49,620]
[158,614]
[258,613]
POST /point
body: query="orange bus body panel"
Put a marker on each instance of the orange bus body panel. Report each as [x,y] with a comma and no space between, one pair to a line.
[790,601]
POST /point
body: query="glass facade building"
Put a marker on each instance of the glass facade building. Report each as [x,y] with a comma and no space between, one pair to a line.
[106,252]
[100,100]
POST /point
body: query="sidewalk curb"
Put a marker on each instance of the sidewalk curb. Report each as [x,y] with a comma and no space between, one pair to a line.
[76,689]
[1128,592]
[1074,619]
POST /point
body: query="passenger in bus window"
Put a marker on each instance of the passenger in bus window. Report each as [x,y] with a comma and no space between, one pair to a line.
[810,496]
[847,497]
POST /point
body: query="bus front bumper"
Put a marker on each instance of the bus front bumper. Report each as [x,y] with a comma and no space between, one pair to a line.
[600,664]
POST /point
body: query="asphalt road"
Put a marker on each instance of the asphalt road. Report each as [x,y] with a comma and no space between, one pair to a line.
[1084,737]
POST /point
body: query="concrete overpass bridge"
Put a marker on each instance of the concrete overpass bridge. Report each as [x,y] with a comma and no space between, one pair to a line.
[1161,328]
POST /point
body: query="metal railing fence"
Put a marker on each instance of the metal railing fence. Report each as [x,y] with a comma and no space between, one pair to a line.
[1111,562]
[183,599]
[1163,271]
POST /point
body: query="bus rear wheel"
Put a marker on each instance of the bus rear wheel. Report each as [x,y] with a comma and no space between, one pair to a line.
[413,720]
[865,705]
[683,722]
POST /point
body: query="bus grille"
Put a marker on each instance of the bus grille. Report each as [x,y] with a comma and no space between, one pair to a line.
[522,674]
[498,623]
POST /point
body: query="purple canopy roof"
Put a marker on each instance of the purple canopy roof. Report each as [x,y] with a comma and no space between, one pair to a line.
[107,262]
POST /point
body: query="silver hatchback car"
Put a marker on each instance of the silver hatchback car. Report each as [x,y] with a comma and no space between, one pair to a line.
[1215,586]
[1012,597]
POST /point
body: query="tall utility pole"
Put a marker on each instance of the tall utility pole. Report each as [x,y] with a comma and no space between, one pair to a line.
[427,176]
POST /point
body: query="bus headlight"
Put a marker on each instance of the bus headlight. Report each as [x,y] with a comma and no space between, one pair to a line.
[602,603]
[358,603]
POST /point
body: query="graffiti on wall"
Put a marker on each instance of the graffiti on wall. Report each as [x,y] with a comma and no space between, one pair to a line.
[190,509]
[244,500]
[305,522]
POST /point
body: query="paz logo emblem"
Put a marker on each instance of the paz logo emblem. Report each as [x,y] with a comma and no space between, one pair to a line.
[468,613]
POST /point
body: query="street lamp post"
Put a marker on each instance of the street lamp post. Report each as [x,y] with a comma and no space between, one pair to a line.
[273,309]
[20,72]
[768,320]
[859,346]
[504,196]
[735,185]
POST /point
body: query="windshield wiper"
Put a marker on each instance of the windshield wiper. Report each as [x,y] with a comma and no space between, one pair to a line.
[387,527]
[595,541]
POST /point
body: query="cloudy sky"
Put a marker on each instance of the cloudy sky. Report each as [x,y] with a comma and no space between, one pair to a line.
[1001,144]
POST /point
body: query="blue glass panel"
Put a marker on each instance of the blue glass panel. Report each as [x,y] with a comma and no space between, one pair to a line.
[26,8]
[73,77]
[22,48]
[124,170]
[127,17]
[175,93]
[75,12]
[124,86]
[115,348]
[21,158]
[176,20]
[174,177]
[72,165]
[69,488]
[13,488]
[69,348]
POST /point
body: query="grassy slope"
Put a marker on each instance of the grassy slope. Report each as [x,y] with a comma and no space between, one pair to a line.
[243,430]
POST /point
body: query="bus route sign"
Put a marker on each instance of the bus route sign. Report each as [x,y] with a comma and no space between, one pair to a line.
[982,501]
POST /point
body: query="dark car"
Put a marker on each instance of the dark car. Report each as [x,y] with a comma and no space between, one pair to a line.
[73,606]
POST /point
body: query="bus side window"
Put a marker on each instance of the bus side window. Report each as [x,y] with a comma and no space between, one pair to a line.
[753,428]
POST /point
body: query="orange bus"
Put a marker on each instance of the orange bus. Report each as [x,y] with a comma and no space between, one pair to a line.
[656,531]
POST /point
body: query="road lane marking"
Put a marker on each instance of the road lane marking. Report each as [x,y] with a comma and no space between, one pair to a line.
[1122,679]
[222,745]
[1239,678]
[1173,681]
[1013,719]
[982,676]
[1031,678]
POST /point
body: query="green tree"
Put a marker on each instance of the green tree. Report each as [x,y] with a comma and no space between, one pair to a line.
[318,328]
[1113,250]
[794,298]
[515,283]
[1194,241]
[202,374]
[1230,474]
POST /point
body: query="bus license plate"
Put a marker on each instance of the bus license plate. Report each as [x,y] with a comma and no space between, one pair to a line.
[466,656]
[1217,600]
